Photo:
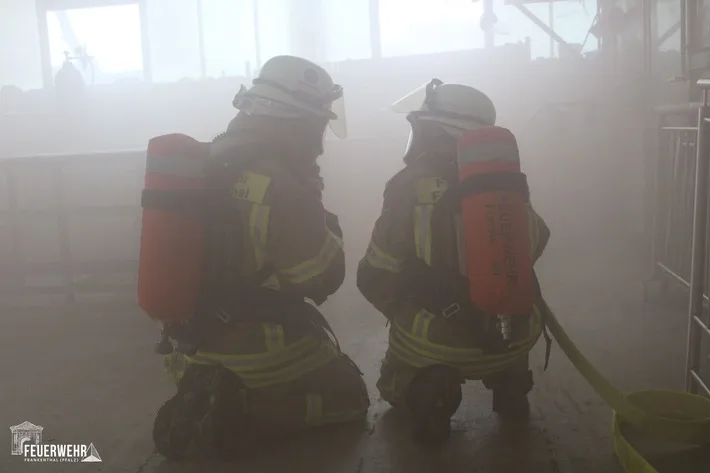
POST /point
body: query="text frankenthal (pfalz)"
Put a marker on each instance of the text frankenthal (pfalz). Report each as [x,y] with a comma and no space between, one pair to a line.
[27,442]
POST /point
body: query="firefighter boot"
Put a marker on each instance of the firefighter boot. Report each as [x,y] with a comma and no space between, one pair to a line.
[510,394]
[205,420]
[432,398]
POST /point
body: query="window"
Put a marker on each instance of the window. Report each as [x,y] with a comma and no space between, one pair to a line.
[229,36]
[229,41]
[274,28]
[173,38]
[411,27]
[346,32]
[110,37]
[322,30]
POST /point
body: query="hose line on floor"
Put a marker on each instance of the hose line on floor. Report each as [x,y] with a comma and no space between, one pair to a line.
[670,415]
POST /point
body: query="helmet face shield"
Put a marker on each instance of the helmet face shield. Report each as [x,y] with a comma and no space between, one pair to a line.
[339,124]
[409,142]
[411,102]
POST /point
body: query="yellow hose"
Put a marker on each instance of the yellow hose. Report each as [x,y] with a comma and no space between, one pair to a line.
[669,415]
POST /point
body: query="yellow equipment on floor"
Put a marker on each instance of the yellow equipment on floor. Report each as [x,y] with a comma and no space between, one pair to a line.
[670,415]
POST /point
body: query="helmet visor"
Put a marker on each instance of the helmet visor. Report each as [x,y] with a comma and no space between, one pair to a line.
[414,100]
[338,125]
[409,142]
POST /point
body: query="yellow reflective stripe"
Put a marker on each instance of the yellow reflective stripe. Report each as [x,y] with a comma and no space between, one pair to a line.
[422,231]
[259,361]
[311,268]
[452,354]
[377,258]
[274,337]
[174,364]
[314,410]
[430,189]
[272,282]
[251,187]
[420,325]
[471,361]
[270,376]
[293,371]
[469,371]
[435,353]
[258,228]
[474,367]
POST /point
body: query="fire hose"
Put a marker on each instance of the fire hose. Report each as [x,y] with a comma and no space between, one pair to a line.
[669,415]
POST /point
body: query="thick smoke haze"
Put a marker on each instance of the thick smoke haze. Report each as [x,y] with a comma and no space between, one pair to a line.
[72,168]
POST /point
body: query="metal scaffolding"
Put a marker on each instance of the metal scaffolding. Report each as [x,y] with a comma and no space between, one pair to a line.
[681,190]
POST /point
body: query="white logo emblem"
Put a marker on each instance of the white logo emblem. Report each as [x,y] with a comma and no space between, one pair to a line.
[27,442]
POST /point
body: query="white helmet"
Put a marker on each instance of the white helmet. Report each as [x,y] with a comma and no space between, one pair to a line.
[293,87]
[457,108]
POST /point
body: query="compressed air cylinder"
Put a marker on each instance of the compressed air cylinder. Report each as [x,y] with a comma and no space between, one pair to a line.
[172,236]
[494,213]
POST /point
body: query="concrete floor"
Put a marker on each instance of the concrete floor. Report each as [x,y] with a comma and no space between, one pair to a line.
[92,377]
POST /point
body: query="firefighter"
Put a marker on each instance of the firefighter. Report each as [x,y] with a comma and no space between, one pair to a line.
[414,274]
[269,364]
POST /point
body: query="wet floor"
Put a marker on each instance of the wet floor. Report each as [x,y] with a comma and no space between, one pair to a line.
[91,377]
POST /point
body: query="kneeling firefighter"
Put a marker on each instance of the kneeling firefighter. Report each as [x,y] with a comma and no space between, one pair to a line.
[236,253]
[450,263]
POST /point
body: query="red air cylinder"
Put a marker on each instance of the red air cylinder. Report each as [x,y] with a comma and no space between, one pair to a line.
[494,213]
[171,253]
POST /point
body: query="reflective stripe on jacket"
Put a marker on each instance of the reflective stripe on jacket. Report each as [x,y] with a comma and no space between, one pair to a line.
[286,229]
[279,363]
[412,346]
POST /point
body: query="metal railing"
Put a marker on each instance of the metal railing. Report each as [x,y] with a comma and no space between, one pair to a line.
[680,221]
[60,236]
[697,319]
